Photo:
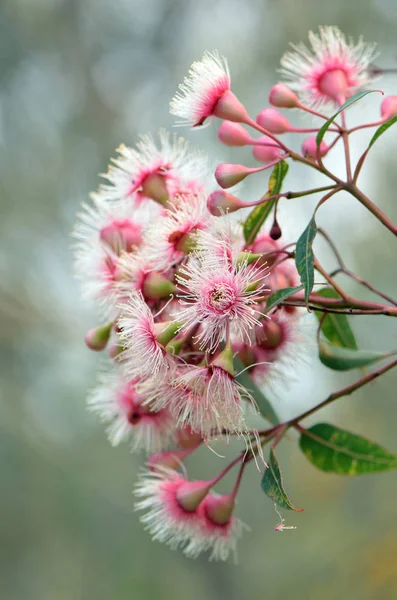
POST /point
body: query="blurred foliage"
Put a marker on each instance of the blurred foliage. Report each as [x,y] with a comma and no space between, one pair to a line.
[78,77]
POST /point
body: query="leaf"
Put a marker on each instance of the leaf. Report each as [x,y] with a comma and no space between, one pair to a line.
[343,359]
[259,214]
[348,103]
[336,327]
[281,295]
[263,404]
[335,450]
[381,130]
[272,484]
[304,257]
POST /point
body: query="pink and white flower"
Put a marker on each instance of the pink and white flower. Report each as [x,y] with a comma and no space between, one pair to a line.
[220,296]
[331,70]
[118,403]
[144,355]
[171,238]
[156,172]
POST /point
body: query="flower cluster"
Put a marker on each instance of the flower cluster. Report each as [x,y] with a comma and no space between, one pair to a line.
[182,288]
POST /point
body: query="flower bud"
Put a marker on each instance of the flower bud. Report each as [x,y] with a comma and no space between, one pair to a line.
[156,286]
[275,231]
[309,147]
[224,360]
[233,134]
[187,438]
[270,335]
[228,175]
[388,108]
[114,350]
[190,494]
[272,120]
[219,509]
[230,108]
[155,187]
[166,331]
[121,235]
[283,97]
[220,202]
[97,338]
[266,152]
[170,459]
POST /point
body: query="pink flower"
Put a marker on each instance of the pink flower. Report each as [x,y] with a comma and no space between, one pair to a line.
[144,355]
[220,296]
[332,70]
[156,172]
[206,93]
[171,238]
[117,402]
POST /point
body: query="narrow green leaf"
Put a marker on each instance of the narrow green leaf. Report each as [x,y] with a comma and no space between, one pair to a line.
[259,214]
[335,450]
[381,130]
[277,177]
[272,484]
[336,327]
[343,359]
[348,103]
[263,404]
[281,295]
[304,257]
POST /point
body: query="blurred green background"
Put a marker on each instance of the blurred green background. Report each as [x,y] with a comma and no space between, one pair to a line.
[78,77]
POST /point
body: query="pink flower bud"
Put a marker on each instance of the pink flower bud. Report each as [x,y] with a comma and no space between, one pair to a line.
[283,97]
[219,509]
[170,459]
[230,108]
[121,235]
[97,338]
[335,85]
[388,108]
[309,147]
[233,134]
[114,350]
[187,438]
[190,494]
[267,152]
[272,120]
[220,202]
[270,335]
[228,175]
[154,186]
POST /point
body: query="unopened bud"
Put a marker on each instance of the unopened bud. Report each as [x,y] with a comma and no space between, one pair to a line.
[224,360]
[388,108]
[187,438]
[272,120]
[233,134]
[219,509]
[228,175]
[266,150]
[309,147]
[97,338]
[220,202]
[114,350]
[270,335]
[283,97]
[121,235]
[190,494]
[155,187]
[275,231]
[230,108]
[157,286]
[166,331]
[171,459]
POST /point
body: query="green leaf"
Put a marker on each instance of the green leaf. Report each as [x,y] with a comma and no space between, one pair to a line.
[281,295]
[259,214]
[335,450]
[335,327]
[272,484]
[382,130]
[263,404]
[348,103]
[304,257]
[343,359]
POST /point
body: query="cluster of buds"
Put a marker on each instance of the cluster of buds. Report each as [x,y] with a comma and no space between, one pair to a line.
[182,291]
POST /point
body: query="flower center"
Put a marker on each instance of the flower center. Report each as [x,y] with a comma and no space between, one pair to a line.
[221,298]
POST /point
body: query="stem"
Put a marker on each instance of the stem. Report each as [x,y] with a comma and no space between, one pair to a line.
[346,391]
[345,137]
[365,201]
[349,303]
[330,280]
[365,283]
